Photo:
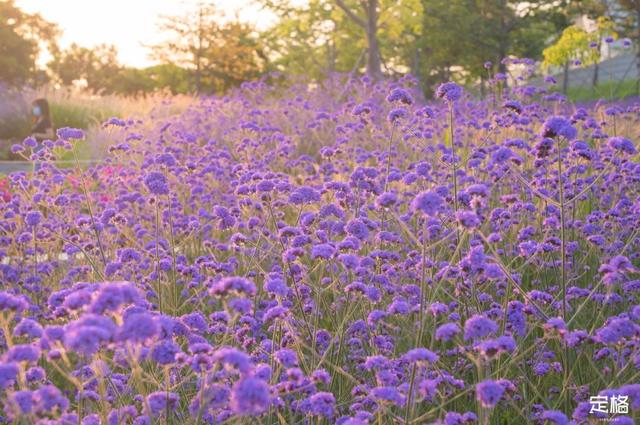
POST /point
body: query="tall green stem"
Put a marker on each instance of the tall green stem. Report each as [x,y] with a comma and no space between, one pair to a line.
[562,236]
[563,281]
[89,208]
[386,178]
[455,169]
[158,283]
[423,288]
[407,408]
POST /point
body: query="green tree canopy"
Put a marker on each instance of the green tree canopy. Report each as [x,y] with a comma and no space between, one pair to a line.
[97,66]
[99,69]
[459,36]
[320,37]
[218,55]
[573,44]
[22,36]
[434,39]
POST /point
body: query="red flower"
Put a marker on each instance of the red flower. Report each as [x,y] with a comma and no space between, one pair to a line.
[5,194]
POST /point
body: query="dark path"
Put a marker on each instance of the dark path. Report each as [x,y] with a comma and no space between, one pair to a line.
[7,167]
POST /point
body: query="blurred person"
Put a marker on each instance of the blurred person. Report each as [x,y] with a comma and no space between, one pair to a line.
[42,126]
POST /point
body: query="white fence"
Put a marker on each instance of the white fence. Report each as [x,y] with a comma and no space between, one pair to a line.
[619,68]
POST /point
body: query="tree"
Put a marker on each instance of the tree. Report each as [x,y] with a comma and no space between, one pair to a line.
[219,55]
[459,36]
[573,45]
[193,36]
[168,76]
[235,57]
[131,82]
[97,66]
[22,36]
[315,40]
[369,23]
[99,70]
[444,46]
[318,37]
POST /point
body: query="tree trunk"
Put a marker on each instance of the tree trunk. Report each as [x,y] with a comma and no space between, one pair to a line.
[370,27]
[415,66]
[565,77]
[198,57]
[502,50]
[637,71]
[503,42]
[331,57]
[596,70]
[502,67]
[637,51]
[374,62]
[198,82]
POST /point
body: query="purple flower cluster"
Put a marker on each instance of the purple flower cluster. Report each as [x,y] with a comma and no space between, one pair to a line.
[299,256]
[451,92]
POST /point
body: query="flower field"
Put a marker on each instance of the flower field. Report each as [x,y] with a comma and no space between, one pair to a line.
[349,253]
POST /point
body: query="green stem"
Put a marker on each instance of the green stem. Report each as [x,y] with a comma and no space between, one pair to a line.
[562,236]
[423,288]
[563,260]
[455,169]
[386,179]
[158,255]
[86,196]
[407,410]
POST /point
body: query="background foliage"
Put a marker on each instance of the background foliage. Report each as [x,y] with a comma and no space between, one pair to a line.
[204,53]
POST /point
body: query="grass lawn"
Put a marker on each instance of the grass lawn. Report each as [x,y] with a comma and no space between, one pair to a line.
[608,90]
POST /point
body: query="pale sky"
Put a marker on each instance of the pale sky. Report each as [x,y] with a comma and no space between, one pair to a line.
[127,24]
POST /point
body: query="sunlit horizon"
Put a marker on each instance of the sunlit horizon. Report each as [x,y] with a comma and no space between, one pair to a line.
[127,24]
